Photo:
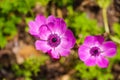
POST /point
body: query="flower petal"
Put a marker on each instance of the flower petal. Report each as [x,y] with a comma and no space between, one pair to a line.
[100,39]
[58,26]
[102,62]
[62,51]
[50,19]
[61,25]
[40,20]
[93,40]
[91,61]
[109,44]
[51,27]
[109,49]
[83,52]
[42,45]
[68,39]
[89,40]
[44,32]
[54,54]
[110,52]
[33,28]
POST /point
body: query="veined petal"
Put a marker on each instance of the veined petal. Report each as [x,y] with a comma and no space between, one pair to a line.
[40,20]
[57,26]
[33,28]
[89,40]
[54,54]
[93,40]
[62,51]
[99,38]
[42,45]
[44,32]
[110,52]
[51,27]
[109,44]
[68,39]
[60,26]
[50,19]
[91,61]
[83,52]
[109,48]
[102,62]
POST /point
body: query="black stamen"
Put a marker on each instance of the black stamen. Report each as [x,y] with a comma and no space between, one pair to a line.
[95,51]
[54,39]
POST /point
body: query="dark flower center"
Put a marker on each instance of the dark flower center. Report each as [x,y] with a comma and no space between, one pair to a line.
[95,51]
[54,40]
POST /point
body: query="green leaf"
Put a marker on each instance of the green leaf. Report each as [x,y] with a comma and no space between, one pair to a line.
[3,40]
[116,28]
[10,28]
[6,6]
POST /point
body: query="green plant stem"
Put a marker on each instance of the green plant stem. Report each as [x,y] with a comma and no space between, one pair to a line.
[104,13]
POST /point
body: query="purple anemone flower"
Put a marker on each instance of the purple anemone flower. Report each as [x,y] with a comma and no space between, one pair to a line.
[95,50]
[54,37]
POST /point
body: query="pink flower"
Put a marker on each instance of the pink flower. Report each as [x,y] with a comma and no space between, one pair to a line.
[39,21]
[54,37]
[95,50]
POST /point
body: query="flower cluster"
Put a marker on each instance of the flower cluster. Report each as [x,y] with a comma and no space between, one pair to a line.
[56,40]
[54,37]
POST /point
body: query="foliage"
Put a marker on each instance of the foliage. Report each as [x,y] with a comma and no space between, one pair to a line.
[93,72]
[12,13]
[63,3]
[30,67]
[82,25]
[116,28]
[8,32]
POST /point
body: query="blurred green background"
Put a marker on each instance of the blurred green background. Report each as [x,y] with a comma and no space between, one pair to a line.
[19,60]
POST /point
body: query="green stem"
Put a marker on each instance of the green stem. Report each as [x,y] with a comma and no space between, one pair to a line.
[104,13]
